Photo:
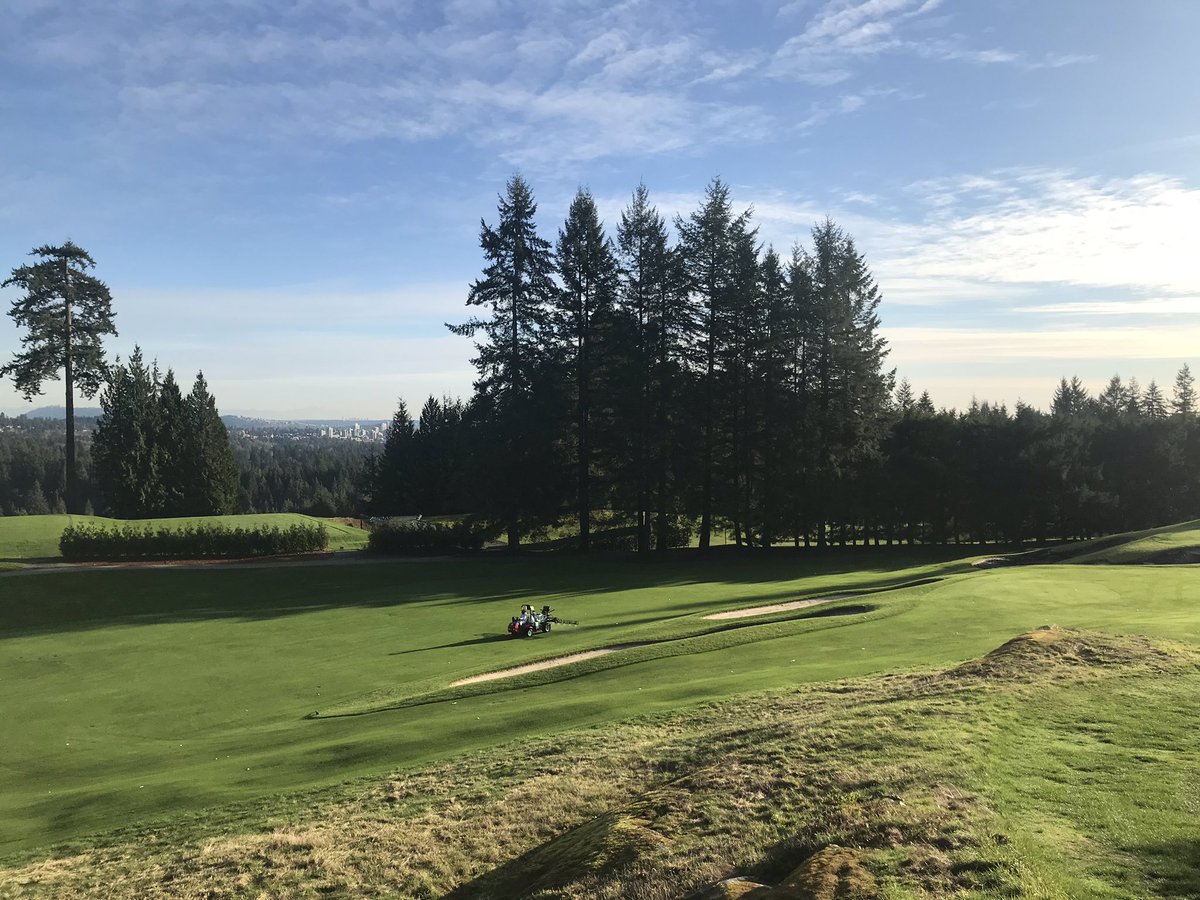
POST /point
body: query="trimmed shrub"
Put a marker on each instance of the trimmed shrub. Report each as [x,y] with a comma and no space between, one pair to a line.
[425,538]
[92,543]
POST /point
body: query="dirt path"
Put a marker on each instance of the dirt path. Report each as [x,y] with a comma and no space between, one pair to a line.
[779,607]
[549,663]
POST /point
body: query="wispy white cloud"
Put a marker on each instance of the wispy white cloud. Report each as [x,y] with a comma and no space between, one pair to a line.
[1148,306]
[1053,227]
[536,82]
[841,34]
[974,346]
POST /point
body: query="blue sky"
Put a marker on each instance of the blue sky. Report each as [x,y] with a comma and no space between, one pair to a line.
[288,195]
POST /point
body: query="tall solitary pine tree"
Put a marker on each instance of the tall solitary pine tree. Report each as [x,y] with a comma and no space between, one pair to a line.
[66,312]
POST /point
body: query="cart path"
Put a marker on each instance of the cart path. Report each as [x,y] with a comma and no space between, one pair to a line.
[779,607]
[332,558]
[550,663]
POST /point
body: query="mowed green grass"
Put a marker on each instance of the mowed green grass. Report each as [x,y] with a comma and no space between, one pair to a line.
[135,696]
[36,537]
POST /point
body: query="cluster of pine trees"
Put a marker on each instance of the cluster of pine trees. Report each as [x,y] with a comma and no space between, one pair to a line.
[1126,459]
[676,381]
[426,463]
[156,452]
[682,384]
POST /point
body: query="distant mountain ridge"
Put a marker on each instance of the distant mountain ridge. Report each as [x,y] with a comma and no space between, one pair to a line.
[59,412]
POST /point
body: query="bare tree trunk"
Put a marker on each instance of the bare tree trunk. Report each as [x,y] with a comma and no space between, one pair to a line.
[72,487]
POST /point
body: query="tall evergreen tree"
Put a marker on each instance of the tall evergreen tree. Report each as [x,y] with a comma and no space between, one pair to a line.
[1114,399]
[66,312]
[852,390]
[1070,398]
[1154,405]
[392,489]
[517,392]
[587,267]
[1133,398]
[212,478]
[438,479]
[740,378]
[707,249]
[780,410]
[659,326]
[176,466]
[1183,402]
[125,447]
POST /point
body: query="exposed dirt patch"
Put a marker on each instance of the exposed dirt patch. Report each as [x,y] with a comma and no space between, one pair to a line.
[779,607]
[548,663]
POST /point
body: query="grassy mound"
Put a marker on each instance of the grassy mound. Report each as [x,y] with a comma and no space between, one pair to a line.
[1070,775]
[36,537]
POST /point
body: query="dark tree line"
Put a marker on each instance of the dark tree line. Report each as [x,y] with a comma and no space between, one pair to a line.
[317,476]
[676,382]
[709,381]
[1124,460]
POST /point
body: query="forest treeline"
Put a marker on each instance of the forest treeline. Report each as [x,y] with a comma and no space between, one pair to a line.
[669,386]
[663,381]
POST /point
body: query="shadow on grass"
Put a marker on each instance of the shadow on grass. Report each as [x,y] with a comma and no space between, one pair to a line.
[74,601]
[579,668]
[1174,867]
[482,639]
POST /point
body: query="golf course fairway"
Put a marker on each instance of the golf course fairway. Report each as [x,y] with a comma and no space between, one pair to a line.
[182,706]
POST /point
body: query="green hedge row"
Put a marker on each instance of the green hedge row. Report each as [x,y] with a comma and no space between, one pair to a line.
[425,538]
[93,543]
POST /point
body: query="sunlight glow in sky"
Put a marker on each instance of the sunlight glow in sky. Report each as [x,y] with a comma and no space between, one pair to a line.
[288,195]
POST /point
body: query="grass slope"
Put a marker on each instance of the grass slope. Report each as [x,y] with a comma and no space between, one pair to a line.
[1172,544]
[1060,765]
[131,695]
[36,537]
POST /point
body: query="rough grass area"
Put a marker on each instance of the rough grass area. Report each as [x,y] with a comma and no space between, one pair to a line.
[36,537]
[1061,765]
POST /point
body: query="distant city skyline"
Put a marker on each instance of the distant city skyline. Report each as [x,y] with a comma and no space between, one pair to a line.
[289,198]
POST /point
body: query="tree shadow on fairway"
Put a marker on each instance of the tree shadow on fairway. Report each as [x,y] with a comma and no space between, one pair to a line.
[79,601]
[1173,867]
[482,639]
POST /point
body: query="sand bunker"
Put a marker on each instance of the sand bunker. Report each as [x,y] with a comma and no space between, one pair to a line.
[548,663]
[779,607]
[604,651]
